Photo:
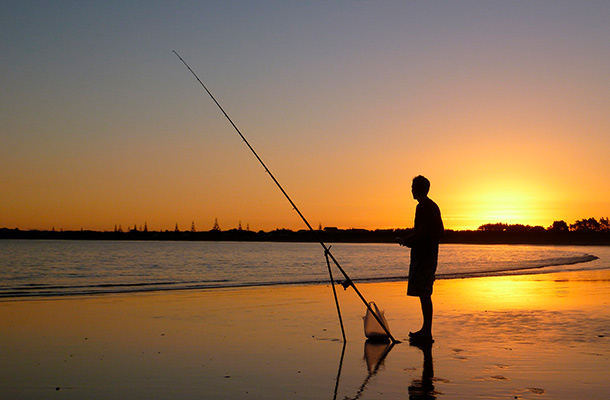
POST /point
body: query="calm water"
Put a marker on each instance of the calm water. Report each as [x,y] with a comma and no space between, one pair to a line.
[54,268]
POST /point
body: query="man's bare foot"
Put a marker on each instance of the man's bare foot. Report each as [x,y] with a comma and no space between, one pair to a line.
[421,336]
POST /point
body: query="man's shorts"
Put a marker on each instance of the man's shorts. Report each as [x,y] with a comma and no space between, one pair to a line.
[421,277]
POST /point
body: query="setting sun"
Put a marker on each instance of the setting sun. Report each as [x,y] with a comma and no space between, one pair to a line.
[508,206]
[504,198]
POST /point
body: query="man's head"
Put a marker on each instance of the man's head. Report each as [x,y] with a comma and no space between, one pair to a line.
[420,187]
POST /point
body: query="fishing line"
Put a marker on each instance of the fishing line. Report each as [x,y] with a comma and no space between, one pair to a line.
[348,282]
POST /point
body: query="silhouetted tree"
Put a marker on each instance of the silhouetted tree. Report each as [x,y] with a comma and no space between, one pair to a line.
[559,226]
[499,227]
[589,224]
[604,224]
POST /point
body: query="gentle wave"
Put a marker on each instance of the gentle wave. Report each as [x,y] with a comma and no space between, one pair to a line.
[40,290]
[541,266]
[104,288]
[55,268]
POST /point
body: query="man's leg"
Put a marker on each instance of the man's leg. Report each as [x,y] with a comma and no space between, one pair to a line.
[426,309]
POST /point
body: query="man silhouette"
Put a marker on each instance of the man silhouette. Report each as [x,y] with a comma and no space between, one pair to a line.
[423,241]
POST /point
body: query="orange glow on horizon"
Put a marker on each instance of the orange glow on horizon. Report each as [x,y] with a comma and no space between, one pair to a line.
[510,206]
[507,116]
[504,198]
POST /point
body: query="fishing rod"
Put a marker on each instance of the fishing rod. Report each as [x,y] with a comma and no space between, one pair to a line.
[348,282]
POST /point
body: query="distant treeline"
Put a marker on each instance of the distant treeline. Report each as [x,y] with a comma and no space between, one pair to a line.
[586,231]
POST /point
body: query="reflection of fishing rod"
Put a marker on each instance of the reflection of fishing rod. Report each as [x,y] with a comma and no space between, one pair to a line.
[339,371]
[348,281]
[373,369]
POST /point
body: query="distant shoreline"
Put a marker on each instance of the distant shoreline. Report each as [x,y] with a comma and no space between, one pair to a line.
[334,235]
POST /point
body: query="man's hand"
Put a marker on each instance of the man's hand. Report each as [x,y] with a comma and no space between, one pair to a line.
[406,241]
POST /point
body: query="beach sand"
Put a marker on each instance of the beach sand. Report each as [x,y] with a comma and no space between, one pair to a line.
[525,337]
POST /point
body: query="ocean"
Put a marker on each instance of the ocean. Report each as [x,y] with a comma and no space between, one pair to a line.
[30,268]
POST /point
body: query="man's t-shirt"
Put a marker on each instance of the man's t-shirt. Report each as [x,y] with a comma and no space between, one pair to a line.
[428,221]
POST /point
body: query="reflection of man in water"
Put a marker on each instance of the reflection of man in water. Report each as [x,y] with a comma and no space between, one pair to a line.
[423,389]
[427,231]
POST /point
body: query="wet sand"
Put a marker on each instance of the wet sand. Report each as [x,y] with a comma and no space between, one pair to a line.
[529,337]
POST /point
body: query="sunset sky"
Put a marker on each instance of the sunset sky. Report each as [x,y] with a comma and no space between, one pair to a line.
[504,106]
